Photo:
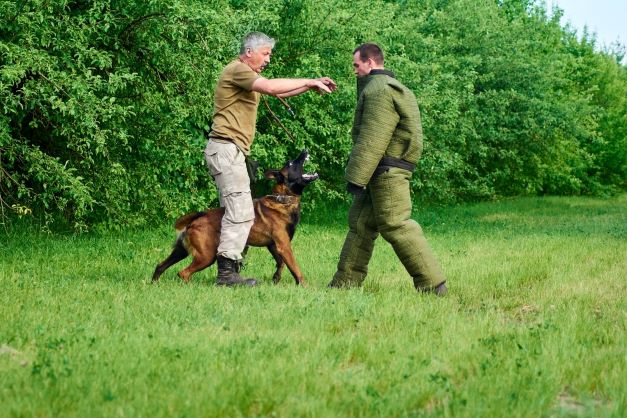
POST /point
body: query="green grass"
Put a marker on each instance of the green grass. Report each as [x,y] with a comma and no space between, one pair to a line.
[533,326]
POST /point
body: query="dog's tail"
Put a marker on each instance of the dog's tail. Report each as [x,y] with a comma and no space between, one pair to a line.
[179,252]
[182,222]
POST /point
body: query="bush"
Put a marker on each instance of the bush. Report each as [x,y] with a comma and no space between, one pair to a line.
[106,103]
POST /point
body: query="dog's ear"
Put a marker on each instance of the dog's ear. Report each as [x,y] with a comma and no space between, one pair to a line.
[272,174]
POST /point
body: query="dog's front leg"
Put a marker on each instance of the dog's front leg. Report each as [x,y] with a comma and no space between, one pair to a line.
[279,263]
[284,249]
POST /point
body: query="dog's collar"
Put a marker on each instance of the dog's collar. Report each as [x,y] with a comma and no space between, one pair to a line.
[283,198]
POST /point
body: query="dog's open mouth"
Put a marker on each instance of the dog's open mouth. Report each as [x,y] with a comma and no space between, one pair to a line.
[310,177]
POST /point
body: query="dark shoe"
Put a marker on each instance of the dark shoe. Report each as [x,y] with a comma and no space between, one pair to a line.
[228,274]
[345,280]
[337,284]
[439,290]
[334,284]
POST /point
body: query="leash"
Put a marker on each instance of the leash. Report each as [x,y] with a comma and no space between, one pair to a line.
[276,118]
[287,106]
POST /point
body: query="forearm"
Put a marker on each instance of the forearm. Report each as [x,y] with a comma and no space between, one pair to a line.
[364,159]
[293,92]
[287,87]
[281,86]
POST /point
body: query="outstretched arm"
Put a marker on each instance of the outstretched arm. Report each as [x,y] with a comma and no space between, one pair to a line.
[294,92]
[329,83]
[287,87]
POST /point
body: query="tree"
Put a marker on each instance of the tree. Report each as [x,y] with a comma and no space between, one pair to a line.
[106,104]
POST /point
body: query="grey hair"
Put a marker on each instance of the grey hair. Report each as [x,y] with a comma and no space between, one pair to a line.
[255,40]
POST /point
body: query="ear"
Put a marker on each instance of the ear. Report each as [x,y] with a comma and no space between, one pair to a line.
[272,174]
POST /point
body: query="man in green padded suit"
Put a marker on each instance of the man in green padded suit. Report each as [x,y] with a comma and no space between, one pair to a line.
[387,143]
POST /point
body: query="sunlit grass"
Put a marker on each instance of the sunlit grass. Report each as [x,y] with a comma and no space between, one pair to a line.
[534,324]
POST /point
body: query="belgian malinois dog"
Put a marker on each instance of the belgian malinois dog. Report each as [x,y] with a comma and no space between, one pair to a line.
[276,218]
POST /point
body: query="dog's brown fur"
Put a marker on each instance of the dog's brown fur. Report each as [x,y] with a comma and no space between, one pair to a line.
[276,218]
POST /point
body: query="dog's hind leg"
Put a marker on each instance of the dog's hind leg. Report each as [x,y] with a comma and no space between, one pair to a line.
[202,259]
[279,263]
[198,264]
[203,251]
[178,253]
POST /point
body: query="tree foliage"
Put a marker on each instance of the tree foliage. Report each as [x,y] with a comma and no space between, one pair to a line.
[106,104]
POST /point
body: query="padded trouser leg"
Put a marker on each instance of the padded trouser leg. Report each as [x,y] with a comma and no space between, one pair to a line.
[358,245]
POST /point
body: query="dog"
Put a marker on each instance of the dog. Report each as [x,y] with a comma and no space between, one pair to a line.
[276,218]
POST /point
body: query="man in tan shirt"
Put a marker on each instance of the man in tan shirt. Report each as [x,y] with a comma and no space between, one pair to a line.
[236,100]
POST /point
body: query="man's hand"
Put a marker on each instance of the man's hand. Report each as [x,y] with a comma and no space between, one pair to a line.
[328,82]
[322,85]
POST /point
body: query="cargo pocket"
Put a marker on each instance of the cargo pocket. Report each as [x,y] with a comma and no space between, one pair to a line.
[212,159]
[233,179]
[239,207]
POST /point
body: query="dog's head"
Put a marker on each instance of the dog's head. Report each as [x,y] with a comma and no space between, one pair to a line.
[291,179]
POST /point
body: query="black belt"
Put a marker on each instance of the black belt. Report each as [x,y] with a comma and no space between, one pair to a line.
[389,162]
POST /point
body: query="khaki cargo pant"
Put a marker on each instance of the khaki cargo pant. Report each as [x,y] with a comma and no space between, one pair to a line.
[385,208]
[227,165]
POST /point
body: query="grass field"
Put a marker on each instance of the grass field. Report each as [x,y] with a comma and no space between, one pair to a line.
[534,324]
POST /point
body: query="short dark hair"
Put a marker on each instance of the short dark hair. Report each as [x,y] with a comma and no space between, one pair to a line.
[370,50]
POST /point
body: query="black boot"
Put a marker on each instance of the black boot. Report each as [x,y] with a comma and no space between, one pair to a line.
[228,274]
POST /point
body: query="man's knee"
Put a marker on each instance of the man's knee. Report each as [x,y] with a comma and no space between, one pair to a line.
[398,228]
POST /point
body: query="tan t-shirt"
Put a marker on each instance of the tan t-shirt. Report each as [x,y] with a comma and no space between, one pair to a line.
[235,105]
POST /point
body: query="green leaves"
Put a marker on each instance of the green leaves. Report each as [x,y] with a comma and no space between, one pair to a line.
[104,104]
